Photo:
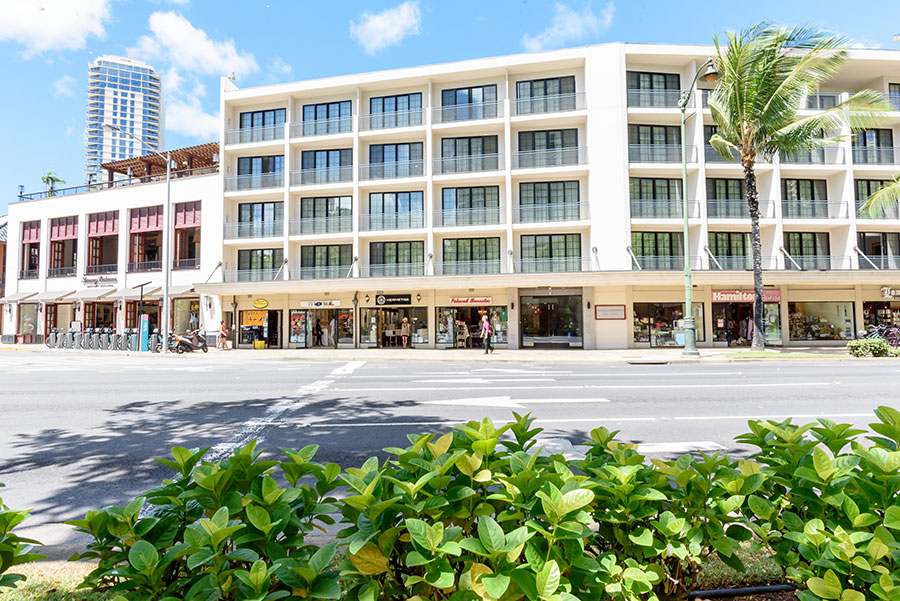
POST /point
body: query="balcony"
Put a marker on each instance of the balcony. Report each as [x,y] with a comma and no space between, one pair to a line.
[879,262]
[547,213]
[322,127]
[254,134]
[894,100]
[143,266]
[255,181]
[28,274]
[393,270]
[731,263]
[254,229]
[832,155]
[877,155]
[890,212]
[660,153]
[322,175]
[467,267]
[61,272]
[821,101]
[330,224]
[467,112]
[186,263]
[556,103]
[99,269]
[392,170]
[813,209]
[550,265]
[815,262]
[738,209]
[557,157]
[331,272]
[660,262]
[466,217]
[663,209]
[392,120]
[252,275]
[468,164]
[379,222]
[657,99]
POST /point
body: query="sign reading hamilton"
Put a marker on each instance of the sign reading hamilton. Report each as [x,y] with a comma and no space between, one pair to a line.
[393,299]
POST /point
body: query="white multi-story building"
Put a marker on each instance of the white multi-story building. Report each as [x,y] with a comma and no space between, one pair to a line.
[541,190]
[126,93]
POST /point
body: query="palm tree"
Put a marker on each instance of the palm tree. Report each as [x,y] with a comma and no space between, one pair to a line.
[50,180]
[883,201]
[764,73]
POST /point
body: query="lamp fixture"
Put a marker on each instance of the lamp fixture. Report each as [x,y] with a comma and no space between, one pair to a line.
[512,306]
[418,297]
[367,298]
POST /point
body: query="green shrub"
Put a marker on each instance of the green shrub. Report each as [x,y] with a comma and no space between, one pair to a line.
[14,549]
[875,347]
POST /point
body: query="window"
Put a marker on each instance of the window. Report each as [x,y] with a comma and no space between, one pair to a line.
[551,253]
[260,165]
[476,102]
[324,166]
[327,118]
[325,261]
[646,194]
[545,148]
[729,244]
[261,125]
[396,210]
[654,134]
[478,205]
[658,250]
[387,259]
[804,198]
[463,256]
[810,250]
[725,198]
[549,201]
[395,111]
[545,95]
[865,188]
[259,264]
[881,248]
[325,215]
[879,138]
[638,80]
[395,160]
[462,155]
[260,219]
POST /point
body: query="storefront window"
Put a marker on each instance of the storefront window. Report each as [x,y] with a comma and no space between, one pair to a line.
[461,326]
[552,321]
[821,321]
[321,327]
[655,323]
[733,323]
[185,315]
[298,327]
[883,313]
[381,327]
[28,315]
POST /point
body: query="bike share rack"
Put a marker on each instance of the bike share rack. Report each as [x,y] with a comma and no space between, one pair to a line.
[101,339]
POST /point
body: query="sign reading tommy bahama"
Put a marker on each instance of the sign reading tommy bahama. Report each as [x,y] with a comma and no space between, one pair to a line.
[393,299]
[470,300]
[770,295]
[890,293]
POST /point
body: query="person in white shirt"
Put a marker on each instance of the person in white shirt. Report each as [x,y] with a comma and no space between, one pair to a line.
[332,331]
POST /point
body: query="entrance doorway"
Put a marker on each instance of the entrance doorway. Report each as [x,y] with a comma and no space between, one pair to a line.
[327,328]
[552,321]
[382,328]
[261,326]
[460,327]
[733,323]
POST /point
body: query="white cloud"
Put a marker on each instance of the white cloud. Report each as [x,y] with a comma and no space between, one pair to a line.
[568,25]
[186,116]
[377,31]
[46,25]
[280,67]
[63,86]
[863,43]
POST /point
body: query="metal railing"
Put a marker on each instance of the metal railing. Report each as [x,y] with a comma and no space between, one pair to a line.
[330,224]
[186,263]
[61,272]
[322,127]
[252,275]
[894,100]
[879,262]
[816,262]
[876,155]
[467,267]
[711,155]
[821,101]
[557,211]
[738,209]
[254,229]
[331,272]
[551,265]
[119,183]
[730,262]
[392,170]
[105,268]
[28,274]
[555,103]
[392,270]
[813,209]
[662,262]
[660,153]
[460,217]
[393,119]
[557,157]
[467,112]
[254,134]
[832,155]
[468,164]
[254,181]
[322,175]
[663,99]
[663,209]
[378,222]
[141,266]
[889,212]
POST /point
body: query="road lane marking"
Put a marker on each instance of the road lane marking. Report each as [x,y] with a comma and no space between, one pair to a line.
[505,401]
[347,368]
[478,380]
[593,386]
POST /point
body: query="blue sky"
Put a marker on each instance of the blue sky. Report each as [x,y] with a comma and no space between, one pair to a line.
[46,45]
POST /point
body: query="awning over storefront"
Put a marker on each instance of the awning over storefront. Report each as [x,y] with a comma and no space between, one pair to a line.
[182,291]
[17,297]
[133,294]
[53,296]
[92,294]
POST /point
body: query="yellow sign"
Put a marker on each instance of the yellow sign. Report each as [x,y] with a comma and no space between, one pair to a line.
[260,303]
[254,318]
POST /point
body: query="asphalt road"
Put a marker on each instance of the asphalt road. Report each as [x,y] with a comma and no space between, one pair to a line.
[80,432]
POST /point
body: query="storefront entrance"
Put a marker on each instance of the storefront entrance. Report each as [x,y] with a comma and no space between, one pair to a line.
[657,324]
[460,327]
[261,328]
[733,323]
[99,315]
[381,327]
[552,321]
[321,328]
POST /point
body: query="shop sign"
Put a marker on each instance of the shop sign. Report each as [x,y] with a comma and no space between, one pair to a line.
[770,295]
[320,303]
[469,300]
[254,318]
[99,281]
[260,303]
[609,311]
[393,299]
[889,293]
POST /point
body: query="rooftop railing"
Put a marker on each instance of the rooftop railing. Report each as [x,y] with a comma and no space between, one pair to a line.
[554,103]
[119,183]
[28,274]
[555,157]
[879,262]
[467,112]
[664,99]
[661,262]
[889,212]
[247,135]
[193,263]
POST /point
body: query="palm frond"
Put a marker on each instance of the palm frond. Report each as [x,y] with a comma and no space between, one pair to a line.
[729,151]
[882,200]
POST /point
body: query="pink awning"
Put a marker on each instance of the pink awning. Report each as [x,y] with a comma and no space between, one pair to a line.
[146,219]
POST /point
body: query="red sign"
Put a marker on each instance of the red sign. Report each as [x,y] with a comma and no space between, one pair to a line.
[770,295]
[482,300]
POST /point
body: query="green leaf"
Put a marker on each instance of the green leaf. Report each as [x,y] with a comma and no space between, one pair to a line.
[490,533]
[547,579]
[892,517]
[495,585]
[143,556]
[822,463]
[321,558]
[325,588]
[259,517]
[368,592]
[828,587]
[849,595]
[644,538]
[574,499]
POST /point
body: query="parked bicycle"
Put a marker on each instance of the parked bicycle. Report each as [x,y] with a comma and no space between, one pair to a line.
[889,334]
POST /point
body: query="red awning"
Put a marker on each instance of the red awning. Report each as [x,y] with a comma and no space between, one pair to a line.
[31,232]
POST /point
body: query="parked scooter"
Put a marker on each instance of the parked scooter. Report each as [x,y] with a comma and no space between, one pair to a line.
[190,342]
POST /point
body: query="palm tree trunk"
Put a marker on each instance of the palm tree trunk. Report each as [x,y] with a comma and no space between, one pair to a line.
[759,333]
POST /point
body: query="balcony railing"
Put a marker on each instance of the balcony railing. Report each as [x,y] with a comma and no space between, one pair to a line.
[878,155]
[392,170]
[254,229]
[731,263]
[97,269]
[186,263]
[467,267]
[322,127]
[331,224]
[119,183]
[889,212]
[468,164]
[816,262]
[61,272]
[378,222]
[460,217]
[255,181]
[738,209]
[894,100]
[253,275]
[331,272]
[822,101]
[546,213]
[663,209]
[393,270]
[663,99]
[660,153]
[880,262]
[661,262]
[392,120]
[561,265]
[322,175]
[820,156]
[141,266]
[254,134]
[555,103]
[813,209]
[467,112]
[28,274]
[557,157]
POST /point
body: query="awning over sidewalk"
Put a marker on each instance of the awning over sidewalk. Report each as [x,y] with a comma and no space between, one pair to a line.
[92,294]
[182,290]
[17,297]
[133,294]
[52,296]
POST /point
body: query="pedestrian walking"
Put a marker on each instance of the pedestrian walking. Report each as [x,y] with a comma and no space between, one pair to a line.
[332,330]
[317,333]
[222,339]
[405,329]
[486,331]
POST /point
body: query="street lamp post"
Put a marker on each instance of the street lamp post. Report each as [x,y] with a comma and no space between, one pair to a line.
[166,264]
[690,326]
